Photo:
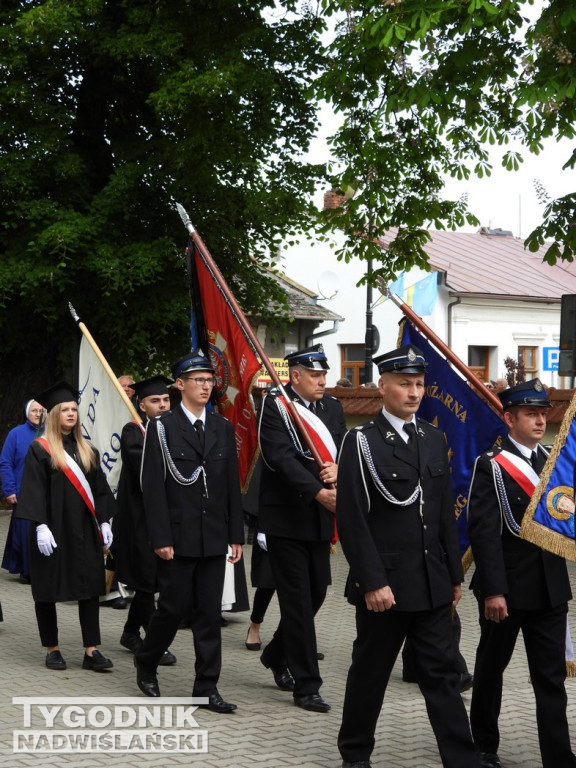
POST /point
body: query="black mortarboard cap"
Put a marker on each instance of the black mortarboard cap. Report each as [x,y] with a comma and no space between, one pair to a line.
[62,392]
[155,385]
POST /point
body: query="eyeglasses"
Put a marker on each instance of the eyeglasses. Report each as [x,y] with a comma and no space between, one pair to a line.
[201,381]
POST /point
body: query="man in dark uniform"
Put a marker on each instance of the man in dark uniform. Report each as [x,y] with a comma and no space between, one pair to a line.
[396,523]
[134,560]
[193,508]
[297,503]
[519,586]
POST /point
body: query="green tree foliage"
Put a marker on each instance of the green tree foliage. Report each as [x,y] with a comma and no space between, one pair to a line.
[113,111]
[423,87]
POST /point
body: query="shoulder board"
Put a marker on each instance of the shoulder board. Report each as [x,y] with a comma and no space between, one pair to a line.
[426,423]
[493,452]
[163,416]
[363,427]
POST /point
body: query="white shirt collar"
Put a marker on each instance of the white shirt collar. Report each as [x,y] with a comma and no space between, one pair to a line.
[524,450]
[398,423]
[193,419]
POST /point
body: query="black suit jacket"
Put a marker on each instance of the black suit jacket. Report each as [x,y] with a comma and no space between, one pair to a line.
[201,519]
[391,545]
[528,576]
[290,482]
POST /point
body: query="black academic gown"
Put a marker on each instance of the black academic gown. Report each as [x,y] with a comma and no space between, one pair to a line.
[135,561]
[75,570]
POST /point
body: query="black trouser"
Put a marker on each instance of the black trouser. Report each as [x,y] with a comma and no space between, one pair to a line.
[262,598]
[88,613]
[302,573]
[140,613]
[409,667]
[189,587]
[544,633]
[376,647]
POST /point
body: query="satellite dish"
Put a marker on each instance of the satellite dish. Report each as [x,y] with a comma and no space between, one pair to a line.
[328,285]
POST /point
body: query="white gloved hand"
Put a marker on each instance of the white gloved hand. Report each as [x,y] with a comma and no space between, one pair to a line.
[261,539]
[107,537]
[45,540]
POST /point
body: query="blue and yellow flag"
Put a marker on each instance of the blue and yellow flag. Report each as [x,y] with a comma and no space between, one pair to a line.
[549,519]
[470,425]
[422,295]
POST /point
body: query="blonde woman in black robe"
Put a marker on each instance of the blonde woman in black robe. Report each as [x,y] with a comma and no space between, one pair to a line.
[65,494]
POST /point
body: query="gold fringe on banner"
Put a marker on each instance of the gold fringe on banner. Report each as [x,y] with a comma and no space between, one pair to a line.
[570,668]
[536,532]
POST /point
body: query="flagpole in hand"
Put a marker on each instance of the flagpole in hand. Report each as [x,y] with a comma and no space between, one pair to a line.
[247,328]
[104,362]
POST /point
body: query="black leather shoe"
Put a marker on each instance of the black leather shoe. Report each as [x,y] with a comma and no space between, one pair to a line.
[167,659]
[96,662]
[55,660]
[131,640]
[466,682]
[282,676]
[358,764]
[116,602]
[217,704]
[320,656]
[490,760]
[313,702]
[147,681]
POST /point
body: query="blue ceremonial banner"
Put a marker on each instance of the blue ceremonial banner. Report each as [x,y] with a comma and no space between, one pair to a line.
[468,422]
[549,519]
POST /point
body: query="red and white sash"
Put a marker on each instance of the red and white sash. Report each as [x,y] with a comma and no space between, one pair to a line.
[75,475]
[317,430]
[519,470]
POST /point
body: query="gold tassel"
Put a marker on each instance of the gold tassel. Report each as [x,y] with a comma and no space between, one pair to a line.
[570,668]
[333,550]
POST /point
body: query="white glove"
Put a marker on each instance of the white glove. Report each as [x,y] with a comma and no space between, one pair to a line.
[261,539]
[45,540]
[107,537]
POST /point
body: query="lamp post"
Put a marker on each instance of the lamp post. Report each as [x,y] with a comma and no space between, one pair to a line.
[369,333]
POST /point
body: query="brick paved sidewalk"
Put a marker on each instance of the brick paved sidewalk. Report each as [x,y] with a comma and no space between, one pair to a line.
[267,731]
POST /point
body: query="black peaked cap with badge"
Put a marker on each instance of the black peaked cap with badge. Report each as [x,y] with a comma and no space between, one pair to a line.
[195,360]
[526,393]
[312,358]
[405,359]
[61,392]
[155,385]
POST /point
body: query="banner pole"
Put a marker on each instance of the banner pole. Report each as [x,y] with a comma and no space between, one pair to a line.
[480,388]
[104,362]
[247,328]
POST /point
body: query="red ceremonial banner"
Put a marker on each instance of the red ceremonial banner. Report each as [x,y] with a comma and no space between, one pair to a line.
[234,361]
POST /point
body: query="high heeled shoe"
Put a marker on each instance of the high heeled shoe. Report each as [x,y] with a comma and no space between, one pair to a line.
[252,646]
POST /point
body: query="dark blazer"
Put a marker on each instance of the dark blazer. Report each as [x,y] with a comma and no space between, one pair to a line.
[390,545]
[289,482]
[200,519]
[528,576]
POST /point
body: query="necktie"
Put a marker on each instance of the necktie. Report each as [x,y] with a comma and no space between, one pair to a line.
[312,407]
[534,460]
[199,427]
[410,429]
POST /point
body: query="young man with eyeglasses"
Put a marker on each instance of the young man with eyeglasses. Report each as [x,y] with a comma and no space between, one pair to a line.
[193,509]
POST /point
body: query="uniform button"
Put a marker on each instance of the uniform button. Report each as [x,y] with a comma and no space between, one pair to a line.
[425,551]
[394,474]
[425,527]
